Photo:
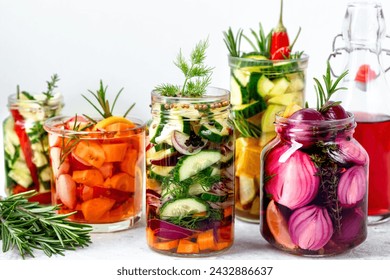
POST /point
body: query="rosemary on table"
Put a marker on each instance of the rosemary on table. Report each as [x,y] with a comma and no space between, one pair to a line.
[28,226]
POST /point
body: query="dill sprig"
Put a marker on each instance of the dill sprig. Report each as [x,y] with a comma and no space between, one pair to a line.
[197,76]
[29,226]
[324,94]
[106,109]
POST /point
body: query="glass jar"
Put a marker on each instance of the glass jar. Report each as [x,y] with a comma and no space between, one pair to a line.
[189,179]
[259,90]
[26,153]
[314,186]
[98,173]
[367,96]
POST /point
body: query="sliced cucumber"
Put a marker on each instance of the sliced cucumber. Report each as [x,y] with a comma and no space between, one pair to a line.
[252,85]
[178,123]
[297,82]
[214,131]
[247,189]
[188,166]
[264,86]
[267,122]
[153,154]
[20,177]
[182,207]
[155,128]
[251,109]
[9,132]
[238,93]
[227,159]
[284,99]
[212,197]
[160,172]
[45,174]
[242,77]
[39,159]
[281,85]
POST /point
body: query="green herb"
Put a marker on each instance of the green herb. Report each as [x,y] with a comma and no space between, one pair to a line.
[233,43]
[190,220]
[51,85]
[263,43]
[106,109]
[197,76]
[246,128]
[324,95]
[328,171]
[29,226]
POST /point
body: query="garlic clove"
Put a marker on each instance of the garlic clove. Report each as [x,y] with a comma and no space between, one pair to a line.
[291,179]
[352,186]
[310,227]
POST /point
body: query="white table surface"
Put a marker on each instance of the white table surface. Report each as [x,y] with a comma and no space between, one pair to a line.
[248,245]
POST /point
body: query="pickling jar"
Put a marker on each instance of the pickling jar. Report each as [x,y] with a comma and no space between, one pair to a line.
[189,174]
[367,95]
[314,179]
[26,155]
[260,88]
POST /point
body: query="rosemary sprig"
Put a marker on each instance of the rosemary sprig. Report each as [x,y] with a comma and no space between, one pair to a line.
[263,43]
[324,94]
[51,85]
[246,128]
[106,109]
[30,226]
[197,76]
[233,43]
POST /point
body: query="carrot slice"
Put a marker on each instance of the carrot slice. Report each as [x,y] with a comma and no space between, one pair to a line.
[95,208]
[278,226]
[91,152]
[150,237]
[89,177]
[121,181]
[129,162]
[166,245]
[187,247]
[114,152]
[228,211]
[122,129]
[206,240]
[221,245]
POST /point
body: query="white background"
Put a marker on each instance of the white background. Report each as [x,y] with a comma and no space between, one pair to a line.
[132,44]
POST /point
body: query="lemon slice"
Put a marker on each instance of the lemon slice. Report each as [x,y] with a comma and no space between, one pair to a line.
[112,120]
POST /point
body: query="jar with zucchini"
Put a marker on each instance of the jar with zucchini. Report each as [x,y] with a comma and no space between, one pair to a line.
[189,159]
[26,156]
[262,83]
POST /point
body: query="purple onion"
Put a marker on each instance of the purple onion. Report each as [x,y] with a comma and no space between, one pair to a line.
[353,226]
[349,151]
[292,177]
[352,186]
[310,227]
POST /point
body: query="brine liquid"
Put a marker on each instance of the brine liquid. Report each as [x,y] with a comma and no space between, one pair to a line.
[373,133]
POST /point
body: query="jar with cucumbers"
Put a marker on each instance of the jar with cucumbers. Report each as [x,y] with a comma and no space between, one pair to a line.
[26,156]
[262,83]
[189,159]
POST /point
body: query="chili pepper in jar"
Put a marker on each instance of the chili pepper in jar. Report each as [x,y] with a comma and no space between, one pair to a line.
[279,37]
[284,52]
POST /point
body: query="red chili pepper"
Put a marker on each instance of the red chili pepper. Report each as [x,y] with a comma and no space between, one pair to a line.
[284,52]
[25,145]
[279,37]
[365,74]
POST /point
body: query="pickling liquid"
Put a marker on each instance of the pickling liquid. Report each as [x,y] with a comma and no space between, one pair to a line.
[373,133]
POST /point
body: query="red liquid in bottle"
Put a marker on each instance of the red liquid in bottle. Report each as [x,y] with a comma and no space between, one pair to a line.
[373,133]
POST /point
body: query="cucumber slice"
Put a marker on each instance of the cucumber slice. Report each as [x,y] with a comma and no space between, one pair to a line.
[39,159]
[251,109]
[212,197]
[160,172]
[188,166]
[153,154]
[227,159]
[284,99]
[297,82]
[174,123]
[238,93]
[264,86]
[242,77]
[9,132]
[45,174]
[214,131]
[247,190]
[267,122]
[252,85]
[182,207]
[281,85]
[155,128]
[20,177]
[254,56]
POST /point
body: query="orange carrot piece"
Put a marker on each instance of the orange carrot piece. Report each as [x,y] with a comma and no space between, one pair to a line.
[150,238]
[166,245]
[205,240]
[228,211]
[122,129]
[129,161]
[221,245]
[90,152]
[89,177]
[124,211]
[95,208]
[187,247]
[86,193]
[114,152]
[121,181]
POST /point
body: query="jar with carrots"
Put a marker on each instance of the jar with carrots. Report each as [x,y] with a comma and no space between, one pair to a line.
[98,167]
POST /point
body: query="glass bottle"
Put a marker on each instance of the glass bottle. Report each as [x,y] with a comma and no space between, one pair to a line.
[190,178]
[314,177]
[26,155]
[260,88]
[367,96]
